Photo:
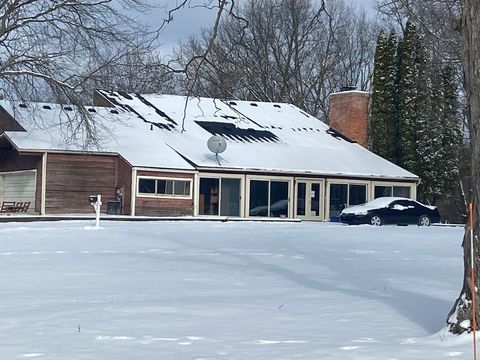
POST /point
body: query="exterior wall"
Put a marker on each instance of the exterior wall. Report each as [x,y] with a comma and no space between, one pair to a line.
[99,100]
[323,181]
[8,123]
[164,206]
[124,184]
[11,160]
[72,178]
[348,114]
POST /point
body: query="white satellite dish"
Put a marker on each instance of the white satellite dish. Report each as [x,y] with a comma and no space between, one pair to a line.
[217,144]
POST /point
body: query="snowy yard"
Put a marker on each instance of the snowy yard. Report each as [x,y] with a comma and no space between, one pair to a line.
[236,290]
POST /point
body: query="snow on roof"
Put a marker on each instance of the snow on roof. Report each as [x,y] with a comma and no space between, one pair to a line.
[152,130]
[274,137]
[48,129]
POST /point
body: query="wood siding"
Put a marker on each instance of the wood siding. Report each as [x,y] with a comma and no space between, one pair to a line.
[72,178]
[124,183]
[8,123]
[150,206]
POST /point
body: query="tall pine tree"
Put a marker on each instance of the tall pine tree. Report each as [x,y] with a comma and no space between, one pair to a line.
[451,135]
[383,107]
[407,96]
[414,116]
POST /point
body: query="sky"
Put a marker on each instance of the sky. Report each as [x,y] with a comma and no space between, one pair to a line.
[189,21]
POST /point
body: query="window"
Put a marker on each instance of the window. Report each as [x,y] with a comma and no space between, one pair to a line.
[269,198]
[164,187]
[338,198]
[381,191]
[357,194]
[209,196]
[386,190]
[219,196]
[301,198]
[346,195]
[146,186]
[401,191]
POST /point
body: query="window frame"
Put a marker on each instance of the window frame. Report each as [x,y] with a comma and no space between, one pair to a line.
[286,179]
[220,176]
[412,186]
[156,195]
[348,182]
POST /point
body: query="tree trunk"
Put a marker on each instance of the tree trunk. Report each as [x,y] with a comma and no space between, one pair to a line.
[459,318]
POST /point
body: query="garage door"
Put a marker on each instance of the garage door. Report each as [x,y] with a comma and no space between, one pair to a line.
[19,187]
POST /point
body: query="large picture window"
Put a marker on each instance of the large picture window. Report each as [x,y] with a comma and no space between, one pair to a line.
[164,187]
[269,198]
[219,196]
[346,195]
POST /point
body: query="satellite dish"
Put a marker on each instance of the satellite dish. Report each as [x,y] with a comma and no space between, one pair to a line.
[216,144]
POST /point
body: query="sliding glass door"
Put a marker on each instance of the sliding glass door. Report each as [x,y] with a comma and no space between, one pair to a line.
[220,196]
[269,198]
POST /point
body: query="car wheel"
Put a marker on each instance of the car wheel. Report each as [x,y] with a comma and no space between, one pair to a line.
[424,220]
[375,220]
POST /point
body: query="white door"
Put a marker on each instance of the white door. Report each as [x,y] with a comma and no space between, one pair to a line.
[309,199]
[18,187]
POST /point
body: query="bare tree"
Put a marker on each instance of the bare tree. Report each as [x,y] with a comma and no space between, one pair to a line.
[283,50]
[140,70]
[438,20]
[45,44]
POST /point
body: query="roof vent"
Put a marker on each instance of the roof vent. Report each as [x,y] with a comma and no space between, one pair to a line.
[22,105]
[348,88]
[47,107]
[92,110]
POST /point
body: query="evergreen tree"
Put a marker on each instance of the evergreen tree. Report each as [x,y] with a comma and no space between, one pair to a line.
[407,95]
[451,136]
[414,115]
[391,103]
[436,109]
[378,121]
[383,108]
[424,129]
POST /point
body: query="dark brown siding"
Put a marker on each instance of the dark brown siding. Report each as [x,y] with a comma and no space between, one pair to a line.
[72,178]
[99,100]
[11,160]
[124,184]
[147,206]
[8,123]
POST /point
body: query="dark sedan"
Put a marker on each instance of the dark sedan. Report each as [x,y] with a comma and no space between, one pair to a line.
[391,210]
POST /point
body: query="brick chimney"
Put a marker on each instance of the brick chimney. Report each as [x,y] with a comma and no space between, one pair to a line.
[348,114]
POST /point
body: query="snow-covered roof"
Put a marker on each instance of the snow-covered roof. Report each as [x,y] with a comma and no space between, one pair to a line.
[274,137]
[265,137]
[48,129]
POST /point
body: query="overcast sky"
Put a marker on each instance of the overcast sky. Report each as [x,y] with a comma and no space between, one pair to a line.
[189,21]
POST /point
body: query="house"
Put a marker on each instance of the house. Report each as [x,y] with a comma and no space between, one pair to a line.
[152,154]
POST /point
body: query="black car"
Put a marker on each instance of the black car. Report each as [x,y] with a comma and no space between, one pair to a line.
[391,210]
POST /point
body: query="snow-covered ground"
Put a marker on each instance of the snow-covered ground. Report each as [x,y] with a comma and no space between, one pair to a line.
[235,290]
